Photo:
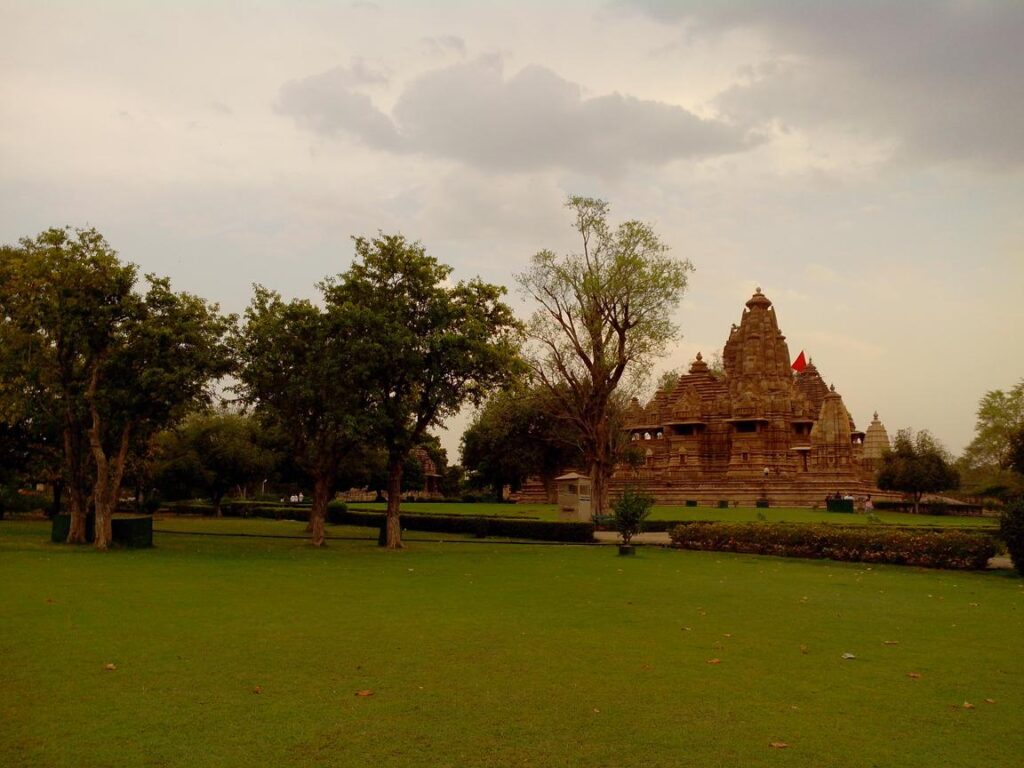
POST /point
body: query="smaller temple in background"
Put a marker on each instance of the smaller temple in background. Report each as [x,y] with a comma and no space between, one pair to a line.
[755,430]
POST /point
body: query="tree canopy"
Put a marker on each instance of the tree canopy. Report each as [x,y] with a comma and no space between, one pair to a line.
[211,453]
[604,313]
[915,465]
[422,347]
[85,350]
[987,461]
[295,363]
[514,436]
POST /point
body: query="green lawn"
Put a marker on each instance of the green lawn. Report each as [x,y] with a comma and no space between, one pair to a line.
[494,655]
[738,514]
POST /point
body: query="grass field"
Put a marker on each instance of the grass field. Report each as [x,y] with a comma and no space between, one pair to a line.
[737,514]
[494,655]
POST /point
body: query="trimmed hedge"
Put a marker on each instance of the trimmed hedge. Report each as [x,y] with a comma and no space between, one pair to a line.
[261,509]
[136,531]
[481,527]
[839,505]
[932,508]
[862,544]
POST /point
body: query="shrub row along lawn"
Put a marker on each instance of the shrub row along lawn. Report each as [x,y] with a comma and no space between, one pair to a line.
[893,545]
[682,513]
[252,651]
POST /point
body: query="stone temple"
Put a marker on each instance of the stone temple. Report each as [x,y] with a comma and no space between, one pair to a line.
[755,430]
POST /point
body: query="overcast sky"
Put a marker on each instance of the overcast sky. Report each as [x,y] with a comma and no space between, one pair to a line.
[862,162]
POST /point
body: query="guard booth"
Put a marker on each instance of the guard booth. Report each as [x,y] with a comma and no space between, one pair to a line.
[573,496]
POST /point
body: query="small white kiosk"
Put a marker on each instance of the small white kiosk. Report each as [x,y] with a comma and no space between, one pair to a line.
[573,496]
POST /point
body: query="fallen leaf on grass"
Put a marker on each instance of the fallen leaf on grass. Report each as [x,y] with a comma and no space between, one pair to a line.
[848,656]
[727,634]
[890,642]
[803,649]
[50,601]
[968,705]
[257,689]
[778,745]
[914,675]
[110,667]
[990,701]
[364,693]
[714,661]
[597,711]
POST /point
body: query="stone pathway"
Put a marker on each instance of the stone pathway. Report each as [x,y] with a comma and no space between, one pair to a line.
[661,539]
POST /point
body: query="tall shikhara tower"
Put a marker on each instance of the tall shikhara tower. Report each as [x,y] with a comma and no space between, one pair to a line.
[755,430]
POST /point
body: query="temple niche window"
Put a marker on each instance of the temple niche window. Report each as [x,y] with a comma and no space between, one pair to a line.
[682,457]
[745,456]
[649,456]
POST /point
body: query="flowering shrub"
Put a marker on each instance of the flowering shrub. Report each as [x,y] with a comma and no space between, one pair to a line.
[863,544]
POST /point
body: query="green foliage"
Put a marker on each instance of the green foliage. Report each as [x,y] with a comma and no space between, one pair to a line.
[295,371]
[89,356]
[1011,529]
[987,463]
[630,510]
[212,453]
[865,544]
[915,465]
[999,415]
[514,436]
[604,314]
[1015,454]
[421,348]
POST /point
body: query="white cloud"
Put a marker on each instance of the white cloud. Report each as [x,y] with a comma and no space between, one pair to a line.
[534,119]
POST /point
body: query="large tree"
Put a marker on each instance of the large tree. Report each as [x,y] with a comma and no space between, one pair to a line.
[985,462]
[213,453]
[915,465]
[423,346]
[63,295]
[159,365]
[604,314]
[296,371]
[515,435]
[109,364]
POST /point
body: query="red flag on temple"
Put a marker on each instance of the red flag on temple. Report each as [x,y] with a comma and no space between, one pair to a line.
[800,363]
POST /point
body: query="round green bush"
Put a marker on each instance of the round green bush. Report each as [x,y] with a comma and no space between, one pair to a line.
[1011,528]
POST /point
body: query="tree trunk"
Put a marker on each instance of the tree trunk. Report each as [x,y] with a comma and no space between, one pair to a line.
[77,505]
[108,473]
[394,537]
[318,511]
[217,511]
[599,470]
[917,503]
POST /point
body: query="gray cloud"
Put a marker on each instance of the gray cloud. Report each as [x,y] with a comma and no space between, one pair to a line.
[942,80]
[534,119]
[329,104]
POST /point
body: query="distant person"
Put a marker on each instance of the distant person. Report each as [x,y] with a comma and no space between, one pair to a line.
[300,497]
[293,498]
[868,506]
